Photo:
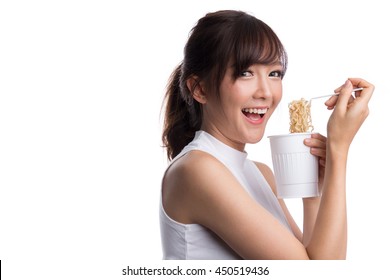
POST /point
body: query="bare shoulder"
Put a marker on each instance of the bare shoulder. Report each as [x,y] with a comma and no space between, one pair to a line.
[192,168]
[193,161]
[188,181]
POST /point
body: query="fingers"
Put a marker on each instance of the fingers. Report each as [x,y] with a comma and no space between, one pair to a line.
[367,91]
[331,102]
[342,90]
[316,140]
[319,136]
[349,114]
[317,144]
[344,95]
[346,91]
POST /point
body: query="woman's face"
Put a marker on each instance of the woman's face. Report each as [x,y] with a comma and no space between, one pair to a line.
[240,114]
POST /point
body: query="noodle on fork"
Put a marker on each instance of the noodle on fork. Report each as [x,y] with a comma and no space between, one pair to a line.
[300,117]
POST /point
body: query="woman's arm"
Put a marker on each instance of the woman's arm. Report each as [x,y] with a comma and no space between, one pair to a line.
[329,236]
[269,176]
[317,145]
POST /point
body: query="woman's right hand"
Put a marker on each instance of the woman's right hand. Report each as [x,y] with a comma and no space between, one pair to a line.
[349,112]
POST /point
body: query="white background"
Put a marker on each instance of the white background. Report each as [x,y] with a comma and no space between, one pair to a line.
[81,87]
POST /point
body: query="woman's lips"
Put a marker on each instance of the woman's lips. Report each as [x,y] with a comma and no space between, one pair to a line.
[254,115]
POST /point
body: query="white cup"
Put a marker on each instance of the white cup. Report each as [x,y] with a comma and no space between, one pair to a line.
[295,168]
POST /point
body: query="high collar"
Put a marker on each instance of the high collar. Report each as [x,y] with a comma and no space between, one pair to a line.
[229,154]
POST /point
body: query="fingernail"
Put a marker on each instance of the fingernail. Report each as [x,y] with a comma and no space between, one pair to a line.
[347,83]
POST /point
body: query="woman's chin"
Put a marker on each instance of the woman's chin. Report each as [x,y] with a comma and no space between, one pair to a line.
[255,138]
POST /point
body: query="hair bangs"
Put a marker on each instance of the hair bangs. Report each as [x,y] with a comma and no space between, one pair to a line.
[256,43]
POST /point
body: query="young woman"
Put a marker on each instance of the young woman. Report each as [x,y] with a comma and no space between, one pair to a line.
[216,203]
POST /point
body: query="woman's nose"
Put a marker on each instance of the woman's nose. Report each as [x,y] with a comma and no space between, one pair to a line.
[263,90]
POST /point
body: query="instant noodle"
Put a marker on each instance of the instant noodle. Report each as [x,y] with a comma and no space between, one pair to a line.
[300,117]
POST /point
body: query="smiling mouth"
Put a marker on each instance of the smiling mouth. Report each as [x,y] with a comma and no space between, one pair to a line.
[254,113]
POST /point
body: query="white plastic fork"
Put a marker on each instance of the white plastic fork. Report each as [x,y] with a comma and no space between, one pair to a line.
[335,94]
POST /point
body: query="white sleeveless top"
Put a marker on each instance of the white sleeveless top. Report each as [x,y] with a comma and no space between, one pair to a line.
[195,242]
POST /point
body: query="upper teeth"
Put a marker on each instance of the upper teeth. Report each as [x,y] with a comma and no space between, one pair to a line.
[255,111]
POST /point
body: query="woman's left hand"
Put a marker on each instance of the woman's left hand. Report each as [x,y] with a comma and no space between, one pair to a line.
[317,144]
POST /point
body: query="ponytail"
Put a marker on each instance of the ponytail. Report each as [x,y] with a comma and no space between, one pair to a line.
[182,115]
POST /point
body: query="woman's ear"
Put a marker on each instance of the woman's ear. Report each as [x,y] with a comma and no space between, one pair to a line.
[195,87]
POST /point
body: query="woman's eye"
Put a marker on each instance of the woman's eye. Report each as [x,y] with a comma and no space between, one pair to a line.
[277,74]
[246,73]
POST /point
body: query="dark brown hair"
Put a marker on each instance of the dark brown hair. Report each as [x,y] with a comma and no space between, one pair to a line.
[219,40]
